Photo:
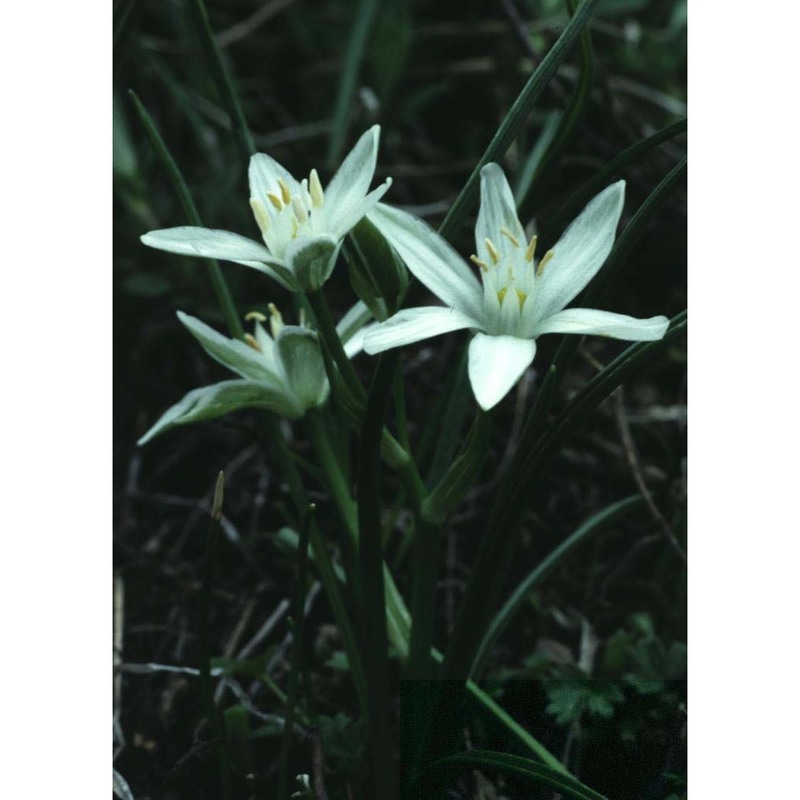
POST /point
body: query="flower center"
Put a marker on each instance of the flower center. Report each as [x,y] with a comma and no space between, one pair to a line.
[291,213]
[511,269]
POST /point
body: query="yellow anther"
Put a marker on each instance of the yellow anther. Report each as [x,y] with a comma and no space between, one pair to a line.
[276,320]
[286,195]
[315,188]
[501,294]
[276,201]
[522,297]
[299,209]
[531,249]
[252,341]
[295,227]
[261,215]
[480,262]
[493,252]
[545,258]
[510,236]
[256,315]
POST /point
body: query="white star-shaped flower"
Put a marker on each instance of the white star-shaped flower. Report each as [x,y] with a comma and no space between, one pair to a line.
[518,299]
[301,224]
[281,370]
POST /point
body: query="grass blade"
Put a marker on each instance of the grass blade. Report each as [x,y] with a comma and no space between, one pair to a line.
[215,275]
[514,766]
[517,114]
[355,50]
[601,179]
[513,605]
[222,79]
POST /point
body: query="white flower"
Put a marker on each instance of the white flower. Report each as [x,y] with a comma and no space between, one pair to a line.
[283,372]
[301,224]
[519,300]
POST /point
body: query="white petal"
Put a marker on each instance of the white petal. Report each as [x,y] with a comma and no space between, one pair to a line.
[355,342]
[353,178]
[413,325]
[209,402]
[430,259]
[604,323]
[496,364]
[207,243]
[346,218]
[231,353]
[358,316]
[264,173]
[580,252]
[497,211]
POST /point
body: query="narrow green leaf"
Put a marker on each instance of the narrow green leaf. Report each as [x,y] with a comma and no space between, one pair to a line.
[517,114]
[518,598]
[577,200]
[513,766]
[218,282]
[222,78]
[362,21]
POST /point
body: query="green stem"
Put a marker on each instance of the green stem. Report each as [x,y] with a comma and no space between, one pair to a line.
[427,554]
[297,650]
[374,642]
[223,79]
[322,559]
[203,641]
[517,114]
[215,275]
[394,452]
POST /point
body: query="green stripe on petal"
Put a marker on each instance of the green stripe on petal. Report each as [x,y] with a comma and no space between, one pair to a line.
[301,356]
[209,402]
[311,260]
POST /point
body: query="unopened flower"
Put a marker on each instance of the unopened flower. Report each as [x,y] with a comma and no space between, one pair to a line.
[518,298]
[302,225]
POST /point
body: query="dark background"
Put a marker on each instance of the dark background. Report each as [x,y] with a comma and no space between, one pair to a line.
[594,667]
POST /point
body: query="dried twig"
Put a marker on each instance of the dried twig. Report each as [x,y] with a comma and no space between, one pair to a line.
[636,470]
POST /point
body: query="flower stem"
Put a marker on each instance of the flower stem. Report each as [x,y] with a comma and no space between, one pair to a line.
[374,643]
[297,650]
[203,641]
